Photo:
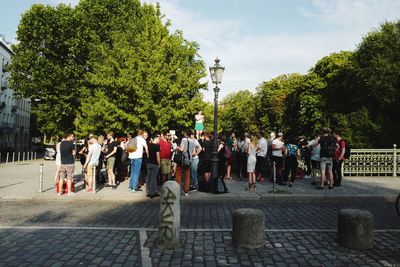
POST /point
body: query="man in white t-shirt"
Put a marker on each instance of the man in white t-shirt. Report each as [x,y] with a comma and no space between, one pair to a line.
[261,163]
[92,161]
[278,147]
[136,161]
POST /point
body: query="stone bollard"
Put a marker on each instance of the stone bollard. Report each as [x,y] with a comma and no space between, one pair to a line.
[355,229]
[248,228]
[170,215]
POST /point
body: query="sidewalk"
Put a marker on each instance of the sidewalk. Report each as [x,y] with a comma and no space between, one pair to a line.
[20,181]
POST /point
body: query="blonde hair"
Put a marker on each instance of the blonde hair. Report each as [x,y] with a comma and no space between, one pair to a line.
[254,140]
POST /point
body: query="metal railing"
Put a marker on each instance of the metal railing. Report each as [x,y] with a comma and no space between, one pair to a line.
[373,162]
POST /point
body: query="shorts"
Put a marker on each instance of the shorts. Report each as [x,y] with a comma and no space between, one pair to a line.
[199,126]
[165,166]
[315,164]
[67,171]
[89,170]
[326,164]
[110,163]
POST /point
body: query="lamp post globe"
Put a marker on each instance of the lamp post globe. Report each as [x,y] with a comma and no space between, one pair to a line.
[216,72]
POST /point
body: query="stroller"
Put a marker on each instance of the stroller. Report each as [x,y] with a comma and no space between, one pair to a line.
[50,154]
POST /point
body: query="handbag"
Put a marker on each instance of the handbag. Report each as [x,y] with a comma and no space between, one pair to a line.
[182,158]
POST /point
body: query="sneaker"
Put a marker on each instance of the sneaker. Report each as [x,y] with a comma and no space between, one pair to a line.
[71,194]
[89,190]
[138,189]
[186,194]
[155,195]
[192,188]
[59,194]
[133,190]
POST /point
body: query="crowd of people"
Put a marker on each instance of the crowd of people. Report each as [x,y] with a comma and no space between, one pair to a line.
[152,160]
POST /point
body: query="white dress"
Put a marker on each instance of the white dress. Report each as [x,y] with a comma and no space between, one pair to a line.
[251,160]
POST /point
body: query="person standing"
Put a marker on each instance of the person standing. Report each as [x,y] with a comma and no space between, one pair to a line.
[338,159]
[136,161]
[195,149]
[315,158]
[230,154]
[110,157]
[165,155]
[261,164]
[184,147]
[292,151]
[92,161]
[199,126]
[58,161]
[67,168]
[153,166]
[251,163]
[277,157]
[328,147]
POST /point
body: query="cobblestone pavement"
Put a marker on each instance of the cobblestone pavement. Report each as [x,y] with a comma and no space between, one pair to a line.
[280,214]
[105,233]
[281,249]
[69,248]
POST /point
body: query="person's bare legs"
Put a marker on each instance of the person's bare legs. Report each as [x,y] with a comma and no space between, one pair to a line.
[111,177]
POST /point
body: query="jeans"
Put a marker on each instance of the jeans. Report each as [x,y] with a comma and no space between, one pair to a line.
[135,171]
[193,172]
[151,179]
[290,166]
[337,172]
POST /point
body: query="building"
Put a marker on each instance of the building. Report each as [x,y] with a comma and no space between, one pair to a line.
[14,112]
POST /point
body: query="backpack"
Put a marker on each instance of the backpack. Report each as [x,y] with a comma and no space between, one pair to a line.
[329,146]
[218,186]
[228,152]
[132,145]
[347,151]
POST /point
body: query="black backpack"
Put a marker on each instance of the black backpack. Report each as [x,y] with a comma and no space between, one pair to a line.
[347,151]
[329,145]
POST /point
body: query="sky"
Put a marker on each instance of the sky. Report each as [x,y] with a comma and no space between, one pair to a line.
[256,40]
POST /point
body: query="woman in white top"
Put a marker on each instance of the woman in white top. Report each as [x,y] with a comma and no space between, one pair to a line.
[251,163]
[58,162]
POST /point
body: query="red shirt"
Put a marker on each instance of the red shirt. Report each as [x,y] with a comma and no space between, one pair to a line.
[338,152]
[165,150]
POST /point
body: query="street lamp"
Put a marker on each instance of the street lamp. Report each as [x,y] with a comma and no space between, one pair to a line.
[216,76]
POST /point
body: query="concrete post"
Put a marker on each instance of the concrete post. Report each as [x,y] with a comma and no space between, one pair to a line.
[7,157]
[394,160]
[170,215]
[41,178]
[355,229]
[248,228]
[19,154]
[13,157]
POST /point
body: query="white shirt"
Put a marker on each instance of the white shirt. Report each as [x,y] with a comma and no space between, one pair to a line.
[263,144]
[95,150]
[278,144]
[138,154]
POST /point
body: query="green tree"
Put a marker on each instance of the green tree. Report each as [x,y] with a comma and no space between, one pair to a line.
[238,112]
[45,66]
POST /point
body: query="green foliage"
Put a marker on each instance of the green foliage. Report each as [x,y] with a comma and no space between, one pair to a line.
[106,64]
[238,112]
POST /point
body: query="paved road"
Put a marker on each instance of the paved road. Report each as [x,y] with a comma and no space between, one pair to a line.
[100,233]
[117,228]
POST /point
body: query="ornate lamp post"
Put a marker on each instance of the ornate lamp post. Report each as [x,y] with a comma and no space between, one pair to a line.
[216,76]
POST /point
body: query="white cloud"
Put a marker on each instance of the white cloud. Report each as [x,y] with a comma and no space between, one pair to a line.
[250,60]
